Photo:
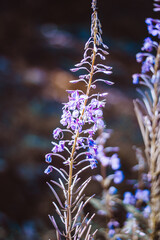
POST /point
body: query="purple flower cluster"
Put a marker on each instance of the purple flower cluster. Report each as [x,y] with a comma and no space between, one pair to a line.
[140,195]
[153,26]
[129,198]
[113,161]
[112,225]
[147,76]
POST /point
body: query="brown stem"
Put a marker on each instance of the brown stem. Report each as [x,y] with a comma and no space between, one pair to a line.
[69,199]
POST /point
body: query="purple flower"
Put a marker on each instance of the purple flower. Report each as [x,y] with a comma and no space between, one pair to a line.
[153,26]
[91,143]
[93,163]
[101,212]
[48,158]
[75,113]
[66,118]
[118,177]
[113,224]
[57,132]
[139,57]
[115,162]
[135,78]
[148,64]
[48,170]
[98,178]
[129,198]
[146,211]
[112,190]
[111,233]
[129,215]
[59,147]
[143,195]
[101,156]
[148,45]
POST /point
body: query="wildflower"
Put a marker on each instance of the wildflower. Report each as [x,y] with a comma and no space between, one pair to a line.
[112,190]
[129,198]
[112,225]
[147,111]
[135,78]
[82,116]
[129,215]
[48,170]
[48,158]
[142,195]
[57,132]
[111,233]
[146,211]
[98,177]
[148,45]
[118,177]
[153,26]
[58,147]
[115,162]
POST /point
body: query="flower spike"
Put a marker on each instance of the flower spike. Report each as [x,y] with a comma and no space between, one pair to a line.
[148,114]
[81,117]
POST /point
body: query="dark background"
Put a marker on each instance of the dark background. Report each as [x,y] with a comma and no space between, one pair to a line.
[40,40]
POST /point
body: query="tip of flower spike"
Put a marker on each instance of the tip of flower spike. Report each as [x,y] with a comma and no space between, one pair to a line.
[94,4]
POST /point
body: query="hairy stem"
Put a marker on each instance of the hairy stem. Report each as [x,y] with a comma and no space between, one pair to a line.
[69,198]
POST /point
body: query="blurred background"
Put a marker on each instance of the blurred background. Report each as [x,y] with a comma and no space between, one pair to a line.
[40,41]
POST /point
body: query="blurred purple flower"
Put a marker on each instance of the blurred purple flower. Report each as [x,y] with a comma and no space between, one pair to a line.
[112,190]
[143,195]
[115,161]
[135,78]
[146,211]
[111,233]
[118,177]
[129,198]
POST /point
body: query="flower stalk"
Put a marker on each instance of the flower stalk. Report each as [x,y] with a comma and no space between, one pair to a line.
[82,116]
[77,134]
[148,115]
